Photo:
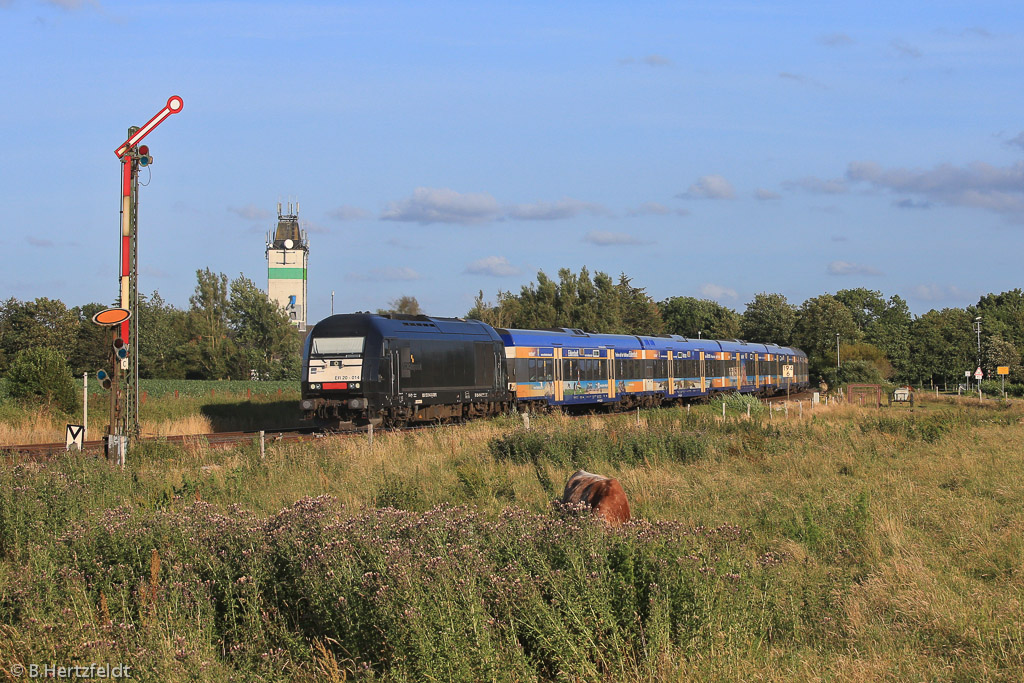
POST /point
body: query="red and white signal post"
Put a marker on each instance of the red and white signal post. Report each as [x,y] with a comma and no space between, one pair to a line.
[125,345]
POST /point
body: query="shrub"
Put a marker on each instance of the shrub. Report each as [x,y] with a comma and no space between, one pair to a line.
[42,374]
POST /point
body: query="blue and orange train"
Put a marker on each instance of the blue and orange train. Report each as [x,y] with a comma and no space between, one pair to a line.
[396,369]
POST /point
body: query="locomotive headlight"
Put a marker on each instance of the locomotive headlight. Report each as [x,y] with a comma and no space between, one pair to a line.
[354,385]
[314,386]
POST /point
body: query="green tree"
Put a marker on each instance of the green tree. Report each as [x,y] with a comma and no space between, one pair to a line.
[868,353]
[995,352]
[1003,315]
[942,346]
[404,305]
[640,315]
[92,342]
[40,373]
[267,341]
[883,323]
[577,301]
[769,318]
[818,321]
[163,335]
[45,323]
[695,318]
[208,353]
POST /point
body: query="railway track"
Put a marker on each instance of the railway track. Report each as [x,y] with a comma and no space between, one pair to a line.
[95,448]
[37,451]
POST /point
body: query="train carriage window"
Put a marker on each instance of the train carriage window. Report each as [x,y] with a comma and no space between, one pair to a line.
[549,370]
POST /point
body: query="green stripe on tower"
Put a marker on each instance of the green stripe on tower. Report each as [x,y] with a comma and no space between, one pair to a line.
[286,273]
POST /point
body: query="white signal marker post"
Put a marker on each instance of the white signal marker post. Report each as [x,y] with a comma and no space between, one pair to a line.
[129,153]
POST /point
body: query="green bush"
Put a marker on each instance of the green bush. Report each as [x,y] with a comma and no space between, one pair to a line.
[42,374]
[994,387]
[578,446]
[853,372]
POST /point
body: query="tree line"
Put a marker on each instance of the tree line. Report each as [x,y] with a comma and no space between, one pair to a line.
[231,330]
[852,335]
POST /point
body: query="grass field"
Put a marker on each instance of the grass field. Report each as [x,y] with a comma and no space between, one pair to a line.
[850,544]
[166,408]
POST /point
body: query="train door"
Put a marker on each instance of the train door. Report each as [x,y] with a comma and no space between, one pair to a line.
[757,377]
[609,358]
[670,364]
[703,386]
[389,367]
[559,379]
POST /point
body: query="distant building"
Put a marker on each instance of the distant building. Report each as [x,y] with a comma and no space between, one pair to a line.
[287,259]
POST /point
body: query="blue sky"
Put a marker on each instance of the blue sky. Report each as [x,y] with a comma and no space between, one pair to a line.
[712,149]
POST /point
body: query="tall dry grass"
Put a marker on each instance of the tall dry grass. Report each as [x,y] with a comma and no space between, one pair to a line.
[894,537]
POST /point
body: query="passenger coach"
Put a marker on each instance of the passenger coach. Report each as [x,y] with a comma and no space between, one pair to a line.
[567,367]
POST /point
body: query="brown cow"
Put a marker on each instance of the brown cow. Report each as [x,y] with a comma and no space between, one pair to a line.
[603,495]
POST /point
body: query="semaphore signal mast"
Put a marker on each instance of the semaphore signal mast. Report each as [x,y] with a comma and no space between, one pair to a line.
[124,400]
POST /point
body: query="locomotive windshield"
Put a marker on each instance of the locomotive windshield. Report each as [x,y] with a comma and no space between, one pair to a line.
[344,347]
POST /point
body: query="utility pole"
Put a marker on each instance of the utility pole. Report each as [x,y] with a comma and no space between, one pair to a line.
[977,329]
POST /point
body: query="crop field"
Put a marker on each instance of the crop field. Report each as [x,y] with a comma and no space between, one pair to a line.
[841,543]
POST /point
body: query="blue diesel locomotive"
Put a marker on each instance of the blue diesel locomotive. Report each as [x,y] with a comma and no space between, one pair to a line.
[396,369]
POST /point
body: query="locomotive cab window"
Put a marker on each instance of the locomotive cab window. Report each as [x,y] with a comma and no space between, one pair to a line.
[345,347]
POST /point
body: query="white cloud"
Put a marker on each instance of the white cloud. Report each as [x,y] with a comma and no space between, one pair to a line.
[71,4]
[656,60]
[1017,141]
[709,187]
[802,80]
[817,185]
[649,60]
[909,203]
[937,293]
[494,266]
[978,185]
[385,275]
[550,211]
[250,212]
[905,49]
[442,205]
[713,291]
[836,40]
[315,228]
[603,238]
[655,209]
[766,195]
[847,268]
[37,242]
[348,213]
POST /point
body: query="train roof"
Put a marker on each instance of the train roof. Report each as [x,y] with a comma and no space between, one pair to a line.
[402,326]
[574,338]
[565,336]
